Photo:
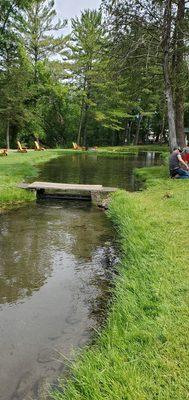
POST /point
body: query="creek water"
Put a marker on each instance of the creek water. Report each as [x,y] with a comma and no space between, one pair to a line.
[55,271]
[112,171]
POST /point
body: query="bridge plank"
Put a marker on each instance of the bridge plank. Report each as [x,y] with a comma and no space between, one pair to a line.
[63,186]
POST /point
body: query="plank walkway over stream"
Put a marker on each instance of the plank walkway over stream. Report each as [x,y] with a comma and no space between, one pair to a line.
[70,191]
[63,186]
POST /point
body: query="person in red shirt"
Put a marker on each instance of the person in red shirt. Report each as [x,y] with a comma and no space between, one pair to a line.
[176,165]
[185,154]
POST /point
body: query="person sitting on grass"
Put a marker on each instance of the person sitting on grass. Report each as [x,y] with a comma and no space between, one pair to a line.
[175,163]
[185,154]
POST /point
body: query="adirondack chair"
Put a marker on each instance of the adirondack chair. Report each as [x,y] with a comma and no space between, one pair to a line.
[77,147]
[3,152]
[21,149]
[38,147]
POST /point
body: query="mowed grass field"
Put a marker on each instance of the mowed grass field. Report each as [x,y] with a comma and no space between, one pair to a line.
[142,353]
[16,168]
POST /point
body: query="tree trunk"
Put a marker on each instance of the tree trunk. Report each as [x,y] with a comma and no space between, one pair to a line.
[129,132]
[179,106]
[161,133]
[113,138]
[126,132]
[8,134]
[136,138]
[179,60]
[81,114]
[167,19]
[80,124]
[85,125]
[36,39]
[35,65]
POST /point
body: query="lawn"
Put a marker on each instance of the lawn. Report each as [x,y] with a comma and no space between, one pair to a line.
[16,168]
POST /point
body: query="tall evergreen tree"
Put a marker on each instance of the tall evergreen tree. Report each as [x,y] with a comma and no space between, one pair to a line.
[11,60]
[39,37]
[83,60]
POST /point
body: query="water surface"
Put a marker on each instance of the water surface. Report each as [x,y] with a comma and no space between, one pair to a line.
[53,277]
[112,171]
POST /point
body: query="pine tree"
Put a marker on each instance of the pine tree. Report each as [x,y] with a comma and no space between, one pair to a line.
[82,61]
[39,37]
[12,73]
[14,92]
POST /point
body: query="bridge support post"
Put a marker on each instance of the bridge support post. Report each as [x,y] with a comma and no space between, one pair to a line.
[40,194]
[101,198]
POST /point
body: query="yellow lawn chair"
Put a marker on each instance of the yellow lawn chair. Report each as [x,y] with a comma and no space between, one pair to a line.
[20,148]
[74,145]
[77,147]
[38,147]
[3,152]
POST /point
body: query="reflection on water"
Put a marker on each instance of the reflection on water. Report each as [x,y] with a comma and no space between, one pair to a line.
[53,276]
[112,171]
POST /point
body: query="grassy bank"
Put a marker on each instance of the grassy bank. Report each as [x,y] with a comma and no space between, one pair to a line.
[142,353]
[16,168]
[135,149]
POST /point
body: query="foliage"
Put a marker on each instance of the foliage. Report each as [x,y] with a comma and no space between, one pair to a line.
[83,60]
[150,35]
[101,85]
[39,41]
[28,90]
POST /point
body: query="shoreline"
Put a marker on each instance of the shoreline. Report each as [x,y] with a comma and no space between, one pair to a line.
[141,353]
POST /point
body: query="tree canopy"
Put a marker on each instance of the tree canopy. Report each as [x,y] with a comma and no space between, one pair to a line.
[119,77]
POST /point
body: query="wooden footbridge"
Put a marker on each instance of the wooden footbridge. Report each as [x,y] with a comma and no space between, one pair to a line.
[64,191]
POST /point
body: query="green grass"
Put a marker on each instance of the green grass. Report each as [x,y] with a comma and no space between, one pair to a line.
[16,168]
[135,149]
[142,353]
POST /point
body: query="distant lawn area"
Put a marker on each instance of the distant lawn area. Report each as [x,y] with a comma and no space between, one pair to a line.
[17,167]
[142,353]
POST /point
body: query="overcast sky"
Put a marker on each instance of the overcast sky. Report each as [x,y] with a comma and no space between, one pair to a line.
[71,8]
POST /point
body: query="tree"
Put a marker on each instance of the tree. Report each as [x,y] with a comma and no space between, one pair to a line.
[14,92]
[161,24]
[40,42]
[83,60]
[166,45]
[134,55]
[26,86]
[12,73]
[179,70]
